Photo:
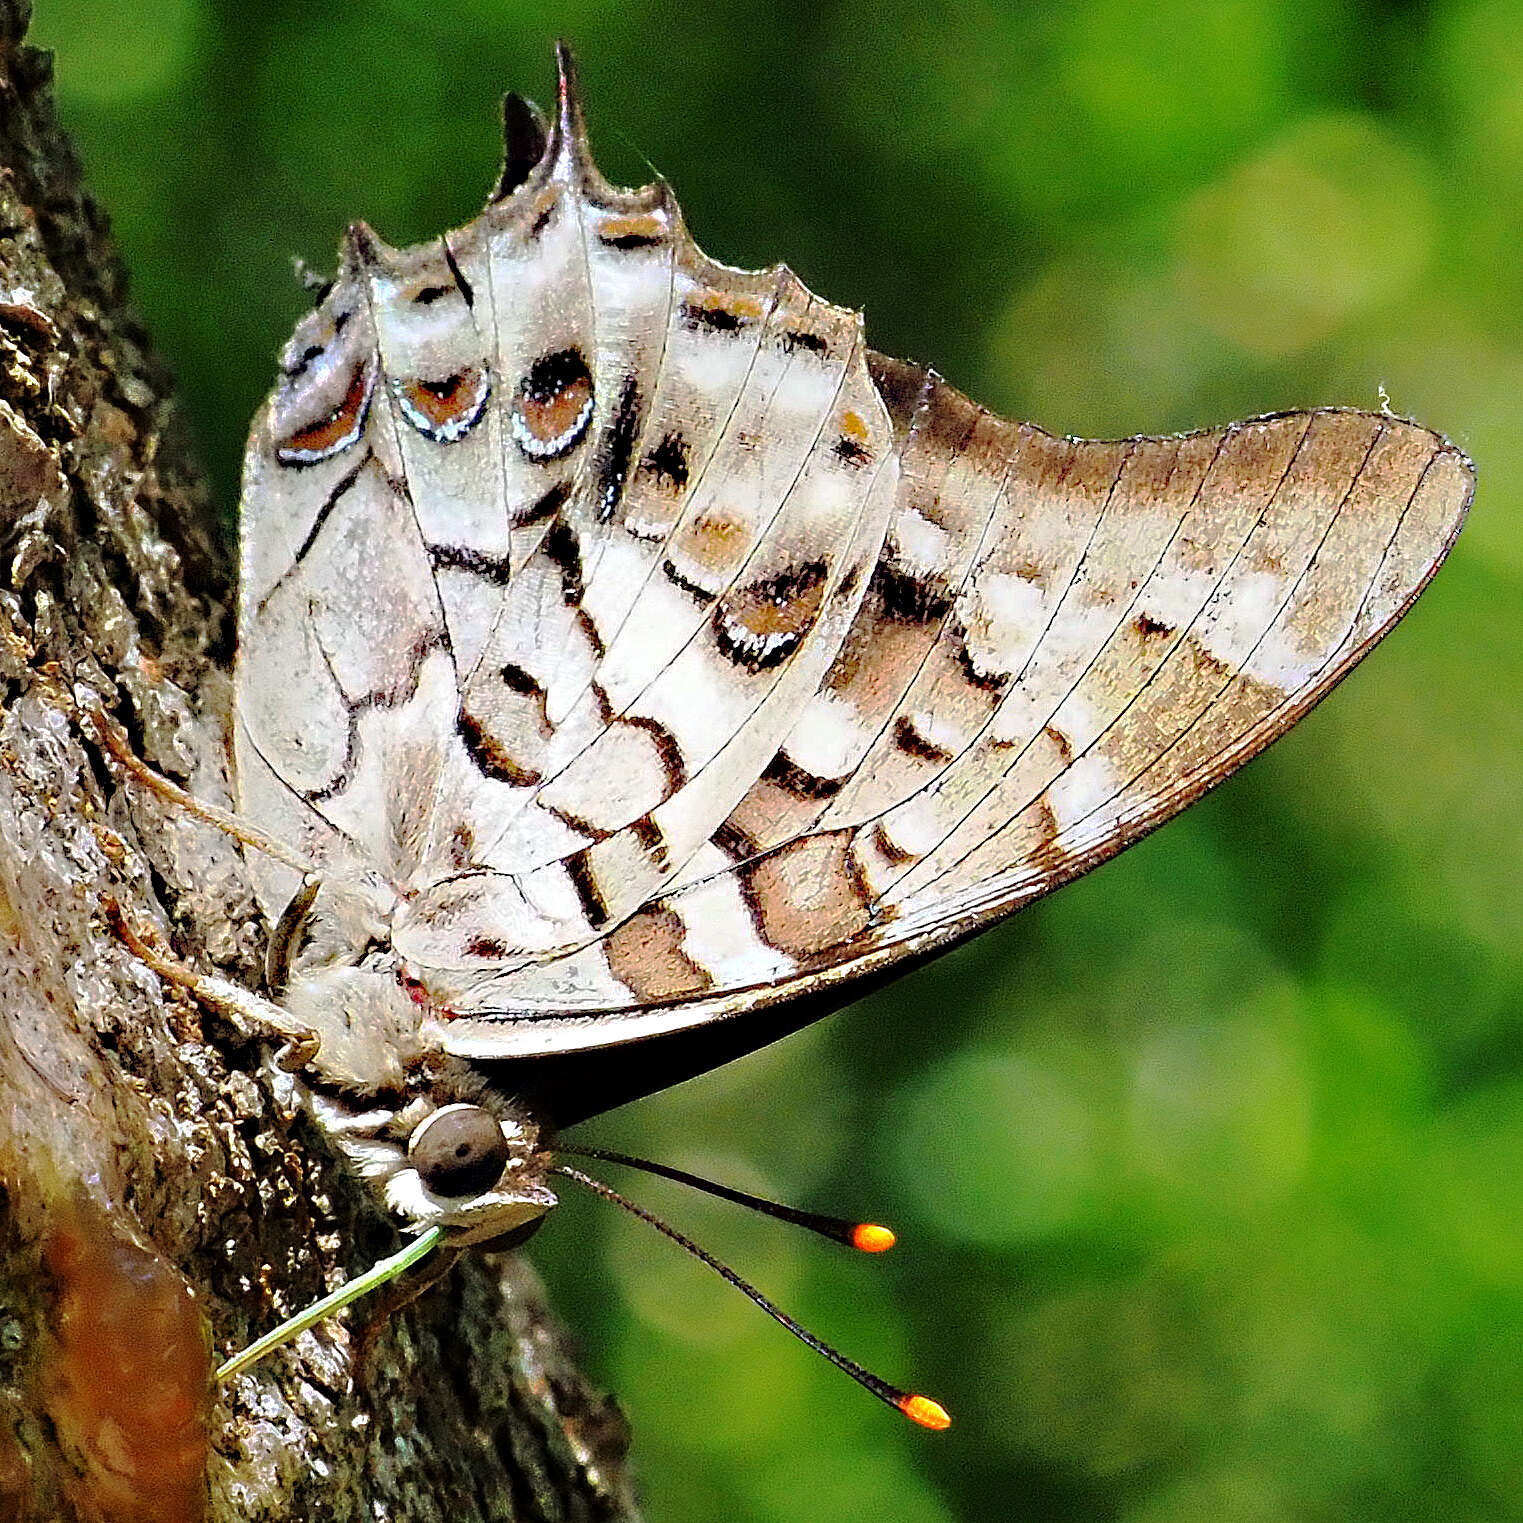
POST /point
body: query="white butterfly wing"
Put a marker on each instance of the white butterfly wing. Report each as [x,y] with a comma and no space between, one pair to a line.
[646,651]
[1140,619]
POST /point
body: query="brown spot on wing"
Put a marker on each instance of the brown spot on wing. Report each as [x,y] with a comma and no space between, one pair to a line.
[564,550]
[521,685]
[664,745]
[589,632]
[807,896]
[488,947]
[645,955]
[637,230]
[617,448]
[1043,850]
[706,552]
[979,670]
[721,311]
[851,448]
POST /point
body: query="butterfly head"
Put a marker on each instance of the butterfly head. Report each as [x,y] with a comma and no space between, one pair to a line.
[475,1170]
[472,1171]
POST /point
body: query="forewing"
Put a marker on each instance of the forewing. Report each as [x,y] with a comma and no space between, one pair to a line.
[1132,622]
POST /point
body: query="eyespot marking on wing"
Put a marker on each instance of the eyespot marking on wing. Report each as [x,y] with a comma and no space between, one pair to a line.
[763,623]
[337,429]
[553,405]
[447,409]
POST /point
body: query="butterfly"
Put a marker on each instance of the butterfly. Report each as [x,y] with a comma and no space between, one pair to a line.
[634,666]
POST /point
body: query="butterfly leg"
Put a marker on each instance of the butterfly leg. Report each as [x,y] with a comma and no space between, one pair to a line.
[247,1011]
[285,939]
[300,1044]
[114,742]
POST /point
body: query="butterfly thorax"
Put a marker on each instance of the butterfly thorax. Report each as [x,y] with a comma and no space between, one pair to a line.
[439,1145]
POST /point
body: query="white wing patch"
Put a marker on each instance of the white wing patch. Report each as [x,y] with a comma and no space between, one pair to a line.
[630,647]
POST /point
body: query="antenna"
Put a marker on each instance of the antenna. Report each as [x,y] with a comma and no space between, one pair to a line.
[868,1237]
[920,1409]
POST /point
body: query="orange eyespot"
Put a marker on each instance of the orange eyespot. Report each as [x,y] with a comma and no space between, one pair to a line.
[334,431]
[553,405]
[922,1410]
[871,1238]
[444,410]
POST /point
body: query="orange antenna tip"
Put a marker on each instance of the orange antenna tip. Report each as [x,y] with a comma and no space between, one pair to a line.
[922,1410]
[871,1238]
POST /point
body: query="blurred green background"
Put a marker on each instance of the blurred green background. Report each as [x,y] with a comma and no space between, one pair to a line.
[1206,1171]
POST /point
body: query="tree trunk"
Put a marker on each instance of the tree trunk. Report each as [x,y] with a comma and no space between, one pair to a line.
[154,1190]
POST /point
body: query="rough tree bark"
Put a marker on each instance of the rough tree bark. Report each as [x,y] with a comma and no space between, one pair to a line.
[152,1187]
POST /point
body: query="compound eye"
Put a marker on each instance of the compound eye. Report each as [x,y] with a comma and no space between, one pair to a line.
[459,1151]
